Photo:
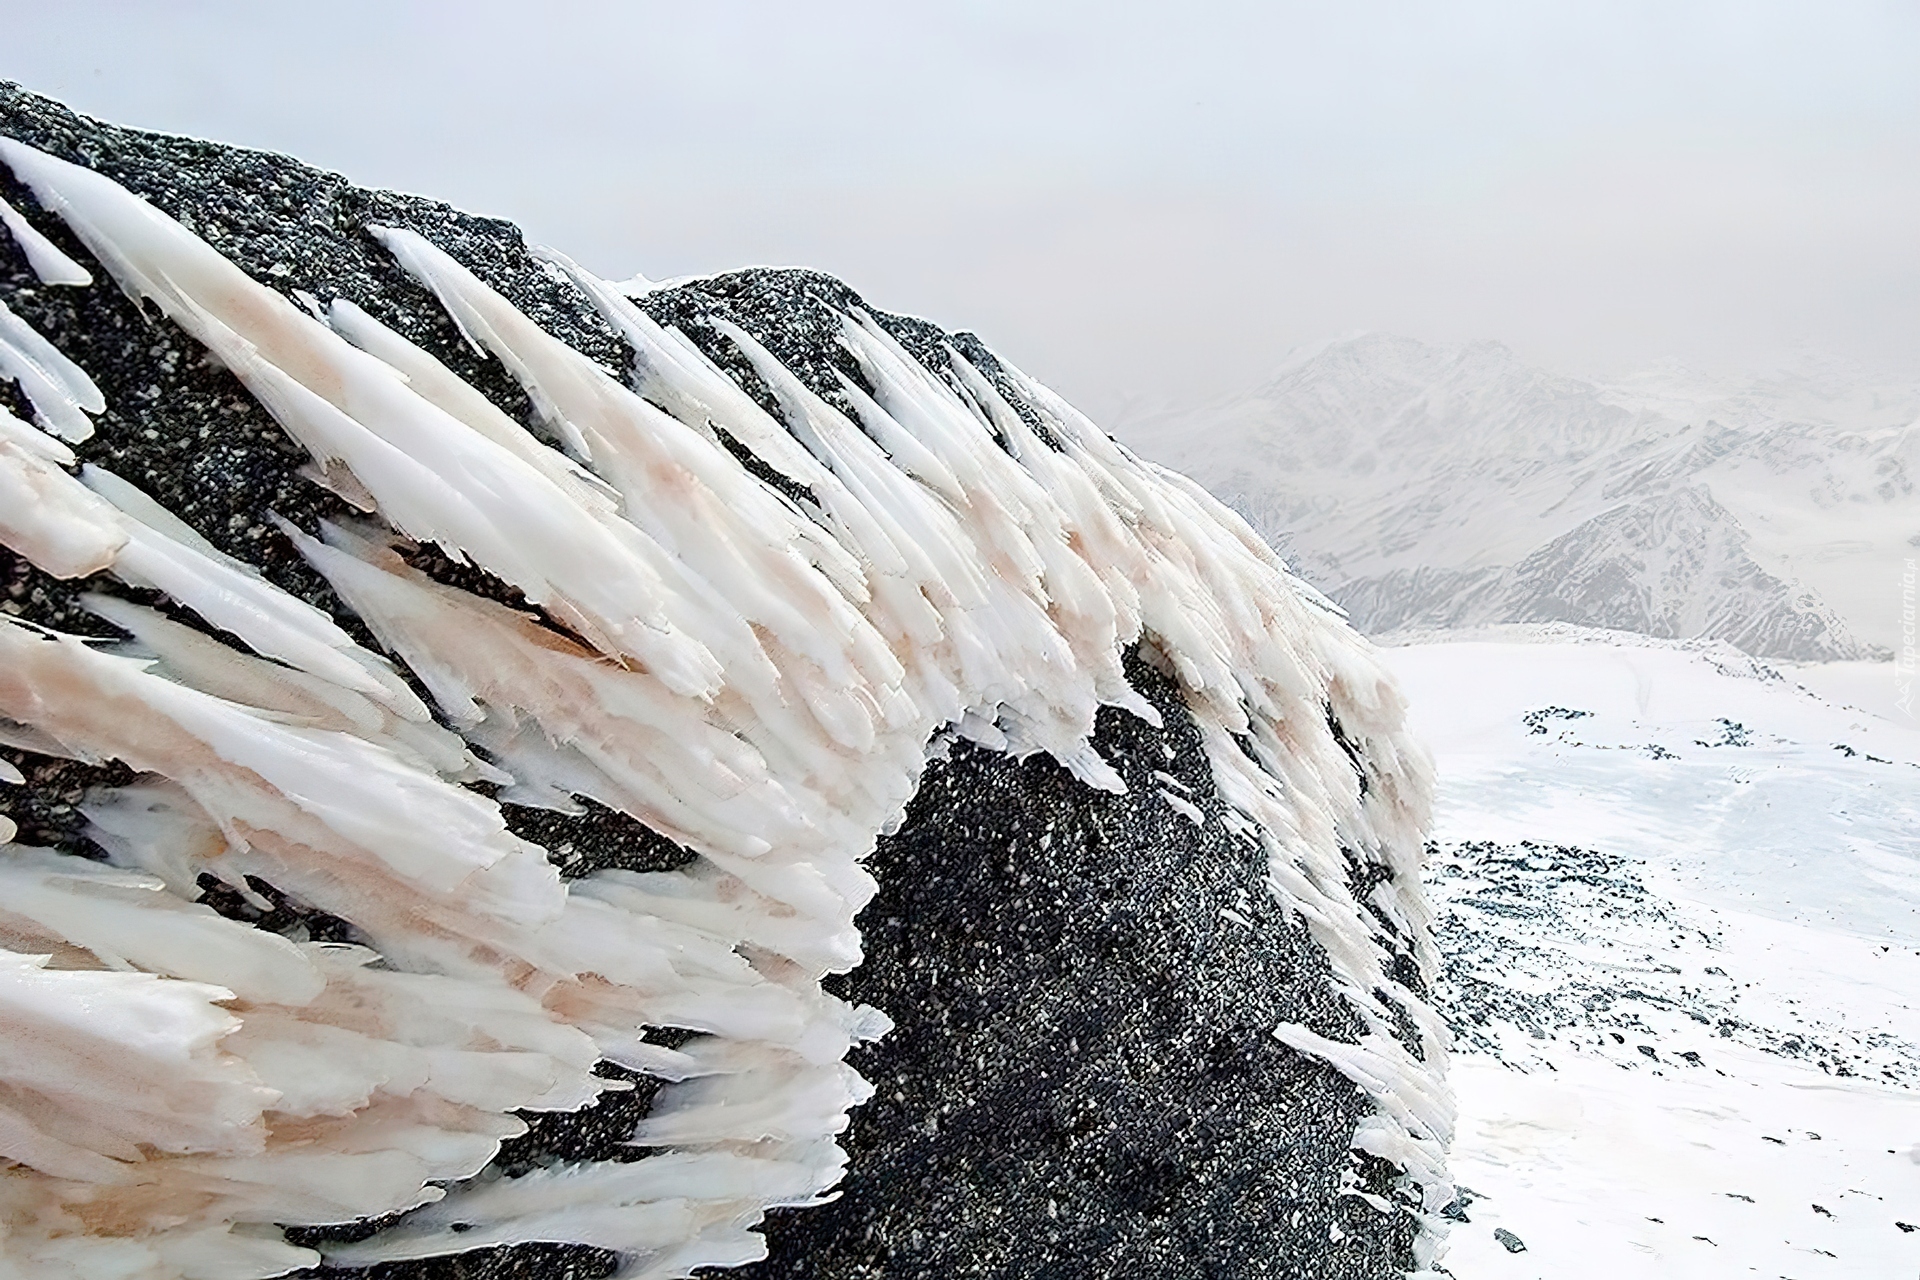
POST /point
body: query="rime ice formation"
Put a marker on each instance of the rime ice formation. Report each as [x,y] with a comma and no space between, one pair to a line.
[45,257]
[744,629]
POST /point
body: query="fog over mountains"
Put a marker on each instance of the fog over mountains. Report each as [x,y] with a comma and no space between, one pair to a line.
[1447,487]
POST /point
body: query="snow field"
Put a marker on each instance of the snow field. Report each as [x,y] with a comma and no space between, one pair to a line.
[1673,968]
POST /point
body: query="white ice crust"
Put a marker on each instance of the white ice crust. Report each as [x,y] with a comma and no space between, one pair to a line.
[756,678]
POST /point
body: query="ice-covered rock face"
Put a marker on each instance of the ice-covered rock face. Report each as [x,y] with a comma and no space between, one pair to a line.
[464,726]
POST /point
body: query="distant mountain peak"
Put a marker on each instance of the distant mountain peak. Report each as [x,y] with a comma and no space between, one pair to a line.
[1431,485]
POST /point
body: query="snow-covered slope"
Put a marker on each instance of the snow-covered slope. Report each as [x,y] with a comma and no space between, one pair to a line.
[1679,903]
[1427,486]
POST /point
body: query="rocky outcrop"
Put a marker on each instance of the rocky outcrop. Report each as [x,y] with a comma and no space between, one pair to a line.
[672,759]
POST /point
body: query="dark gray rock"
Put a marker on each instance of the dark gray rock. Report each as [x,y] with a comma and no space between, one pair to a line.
[1082,1081]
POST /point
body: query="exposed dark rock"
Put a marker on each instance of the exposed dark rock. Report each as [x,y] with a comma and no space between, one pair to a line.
[1082,1081]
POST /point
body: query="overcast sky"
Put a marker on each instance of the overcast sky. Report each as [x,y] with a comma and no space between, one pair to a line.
[1136,202]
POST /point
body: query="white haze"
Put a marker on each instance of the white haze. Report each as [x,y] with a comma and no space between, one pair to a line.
[1137,202]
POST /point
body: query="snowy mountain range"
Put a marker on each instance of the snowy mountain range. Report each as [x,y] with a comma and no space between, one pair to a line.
[1426,486]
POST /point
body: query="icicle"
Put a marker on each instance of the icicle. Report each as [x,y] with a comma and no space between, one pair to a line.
[61,393]
[70,1038]
[673,373]
[439,385]
[739,540]
[127,921]
[190,658]
[47,516]
[433,476]
[274,623]
[326,791]
[69,532]
[43,255]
